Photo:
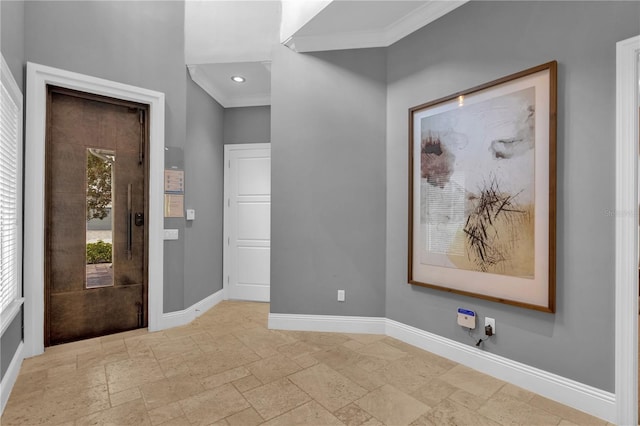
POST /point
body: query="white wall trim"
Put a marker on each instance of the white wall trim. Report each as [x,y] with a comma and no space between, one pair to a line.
[38,76]
[223,99]
[11,376]
[586,398]
[384,37]
[327,323]
[626,218]
[179,318]
[566,391]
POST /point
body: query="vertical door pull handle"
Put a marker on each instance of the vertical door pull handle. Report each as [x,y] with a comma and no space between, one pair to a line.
[129,222]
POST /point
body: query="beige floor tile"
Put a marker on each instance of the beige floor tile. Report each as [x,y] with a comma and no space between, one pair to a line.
[321,340]
[115,345]
[175,365]
[568,413]
[352,415]
[130,413]
[383,351]
[28,411]
[92,359]
[434,391]
[225,377]
[165,391]
[276,398]
[517,392]
[392,406]
[125,396]
[262,341]
[62,370]
[422,421]
[28,383]
[305,361]
[131,373]
[213,405]
[365,339]
[408,374]
[210,372]
[337,356]
[354,345]
[373,422]
[361,377]
[565,422]
[46,362]
[310,414]
[173,346]
[247,383]
[466,399]
[449,413]
[296,349]
[327,386]
[87,377]
[216,362]
[166,413]
[69,403]
[472,381]
[183,421]
[508,410]
[248,417]
[273,368]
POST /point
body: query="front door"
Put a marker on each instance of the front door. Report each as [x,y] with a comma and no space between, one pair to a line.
[96,238]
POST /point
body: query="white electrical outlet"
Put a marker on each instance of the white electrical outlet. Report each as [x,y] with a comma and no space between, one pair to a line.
[491,322]
[340,295]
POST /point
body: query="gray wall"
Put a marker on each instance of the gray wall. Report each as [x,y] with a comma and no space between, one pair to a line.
[204,192]
[247,125]
[482,41]
[142,43]
[12,38]
[138,43]
[12,46]
[328,182]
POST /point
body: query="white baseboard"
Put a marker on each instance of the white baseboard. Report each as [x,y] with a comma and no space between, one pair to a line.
[10,376]
[340,324]
[582,397]
[178,318]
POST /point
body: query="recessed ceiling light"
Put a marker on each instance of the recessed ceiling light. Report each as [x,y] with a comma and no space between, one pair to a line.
[238,79]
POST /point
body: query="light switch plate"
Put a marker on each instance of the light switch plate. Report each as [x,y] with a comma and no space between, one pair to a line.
[171,234]
[466,318]
[191,214]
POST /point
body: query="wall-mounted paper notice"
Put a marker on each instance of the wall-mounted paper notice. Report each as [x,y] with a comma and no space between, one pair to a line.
[174,181]
[173,205]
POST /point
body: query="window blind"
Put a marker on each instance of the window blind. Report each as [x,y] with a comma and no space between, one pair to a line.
[10,197]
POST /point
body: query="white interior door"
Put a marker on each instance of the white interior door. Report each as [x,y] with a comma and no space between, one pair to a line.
[248,221]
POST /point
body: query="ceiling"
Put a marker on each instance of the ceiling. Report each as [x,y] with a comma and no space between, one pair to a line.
[227,38]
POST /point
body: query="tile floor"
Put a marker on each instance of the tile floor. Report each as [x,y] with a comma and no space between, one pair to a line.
[227,368]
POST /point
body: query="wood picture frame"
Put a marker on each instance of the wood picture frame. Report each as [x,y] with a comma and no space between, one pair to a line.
[482,191]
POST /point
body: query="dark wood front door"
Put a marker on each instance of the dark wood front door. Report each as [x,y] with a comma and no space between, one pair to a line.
[96,238]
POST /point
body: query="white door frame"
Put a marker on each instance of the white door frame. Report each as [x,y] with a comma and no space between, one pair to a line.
[228,148]
[38,76]
[626,219]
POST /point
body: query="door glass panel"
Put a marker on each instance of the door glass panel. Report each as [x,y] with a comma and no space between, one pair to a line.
[100,204]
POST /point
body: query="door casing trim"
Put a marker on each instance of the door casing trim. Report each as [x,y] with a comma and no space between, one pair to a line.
[38,77]
[626,220]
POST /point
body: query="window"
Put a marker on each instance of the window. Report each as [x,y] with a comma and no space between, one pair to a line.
[10,196]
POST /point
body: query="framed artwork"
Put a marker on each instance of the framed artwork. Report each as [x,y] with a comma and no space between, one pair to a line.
[482,191]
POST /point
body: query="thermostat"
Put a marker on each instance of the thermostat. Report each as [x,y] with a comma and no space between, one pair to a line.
[466,318]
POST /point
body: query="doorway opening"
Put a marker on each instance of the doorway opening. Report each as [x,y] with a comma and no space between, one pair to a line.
[96,241]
